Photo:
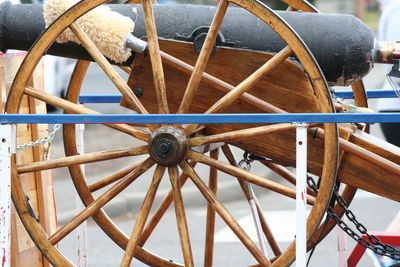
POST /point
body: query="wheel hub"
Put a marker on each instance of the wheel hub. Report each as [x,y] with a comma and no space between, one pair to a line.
[168,146]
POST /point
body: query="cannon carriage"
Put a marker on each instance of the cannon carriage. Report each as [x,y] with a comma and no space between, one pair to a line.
[244,59]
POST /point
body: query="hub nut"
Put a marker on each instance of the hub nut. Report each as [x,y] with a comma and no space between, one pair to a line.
[168,146]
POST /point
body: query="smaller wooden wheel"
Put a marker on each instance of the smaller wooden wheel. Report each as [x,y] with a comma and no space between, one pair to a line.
[172,148]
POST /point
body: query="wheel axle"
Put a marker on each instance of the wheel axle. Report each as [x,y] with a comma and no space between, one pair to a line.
[168,146]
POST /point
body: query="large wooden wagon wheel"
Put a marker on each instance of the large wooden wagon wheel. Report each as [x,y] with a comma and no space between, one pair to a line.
[158,143]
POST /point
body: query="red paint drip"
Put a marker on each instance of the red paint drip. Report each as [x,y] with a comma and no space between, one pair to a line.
[3,259]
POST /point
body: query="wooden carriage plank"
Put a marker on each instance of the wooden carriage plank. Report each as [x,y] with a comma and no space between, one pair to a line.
[38,187]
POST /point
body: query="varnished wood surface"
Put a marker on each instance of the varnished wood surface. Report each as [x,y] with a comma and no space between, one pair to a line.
[286,80]
[372,167]
[284,173]
[219,84]
[35,231]
[202,60]
[241,134]
[81,159]
[142,217]
[100,202]
[225,215]
[264,224]
[159,213]
[181,217]
[105,223]
[12,107]
[108,68]
[325,185]
[248,83]
[225,65]
[37,186]
[325,105]
[112,178]
[154,53]
[210,220]
[300,5]
[248,176]
[75,108]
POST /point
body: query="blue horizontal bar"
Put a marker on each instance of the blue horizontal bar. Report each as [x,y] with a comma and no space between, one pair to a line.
[100,98]
[376,93]
[201,118]
[347,94]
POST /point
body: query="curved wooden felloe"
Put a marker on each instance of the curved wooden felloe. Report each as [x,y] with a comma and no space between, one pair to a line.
[316,97]
[361,100]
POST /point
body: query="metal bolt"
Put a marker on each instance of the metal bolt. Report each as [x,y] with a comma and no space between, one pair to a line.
[138,92]
[163,148]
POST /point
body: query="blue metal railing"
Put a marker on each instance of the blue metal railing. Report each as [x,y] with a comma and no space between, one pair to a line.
[347,94]
[207,118]
[201,118]
[376,93]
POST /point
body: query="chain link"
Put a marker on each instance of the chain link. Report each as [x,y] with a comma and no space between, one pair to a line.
[42,141]
[245,163]
[372,242]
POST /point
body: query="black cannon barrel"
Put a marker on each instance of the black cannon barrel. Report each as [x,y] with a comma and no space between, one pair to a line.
[341,44]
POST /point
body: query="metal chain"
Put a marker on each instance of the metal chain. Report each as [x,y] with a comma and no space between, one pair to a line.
[42,141]
[248,158]
[245,163]
[372,242]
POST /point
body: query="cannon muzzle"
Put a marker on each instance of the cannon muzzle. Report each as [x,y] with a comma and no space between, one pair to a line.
[342,44]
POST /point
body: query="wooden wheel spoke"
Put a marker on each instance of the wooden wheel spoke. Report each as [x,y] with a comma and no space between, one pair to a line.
[219,84]
[300,5]
[246,84]
[108,68]
[142,216]
[181,217]
[250,81]
[264,224]
[224,214]
[284,173]
[112,178]
[127,70]
[109,71]
[81,159]
[210,222]
[240,134]
[96,205]
[78,109]
[159,213]
[202,60]
[248,176]
[155,57]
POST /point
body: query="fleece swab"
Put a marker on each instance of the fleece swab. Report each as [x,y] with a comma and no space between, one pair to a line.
[109,30]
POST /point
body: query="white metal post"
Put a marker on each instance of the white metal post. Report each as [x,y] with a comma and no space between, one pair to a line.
[257,222]
[301,194]
[7,146]
[82,229]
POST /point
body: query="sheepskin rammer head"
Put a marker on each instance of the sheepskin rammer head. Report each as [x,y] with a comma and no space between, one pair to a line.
[106,28]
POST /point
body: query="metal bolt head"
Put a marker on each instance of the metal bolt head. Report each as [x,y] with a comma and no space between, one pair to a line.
[138,92]
[163,147]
